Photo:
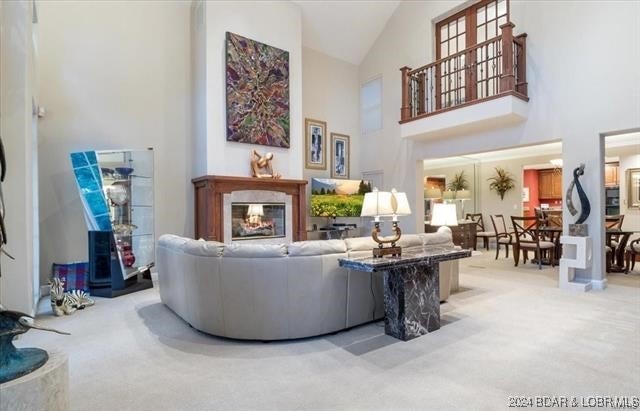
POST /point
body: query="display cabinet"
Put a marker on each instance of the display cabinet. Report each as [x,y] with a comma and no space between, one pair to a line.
[116,188]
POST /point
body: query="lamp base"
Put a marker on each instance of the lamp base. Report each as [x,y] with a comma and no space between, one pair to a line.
[392,251]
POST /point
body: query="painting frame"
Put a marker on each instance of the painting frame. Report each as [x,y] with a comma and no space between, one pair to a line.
[633,188]
[315,142]
[340,154]
[258,104]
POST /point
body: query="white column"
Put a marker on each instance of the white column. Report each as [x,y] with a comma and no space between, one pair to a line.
[18,290]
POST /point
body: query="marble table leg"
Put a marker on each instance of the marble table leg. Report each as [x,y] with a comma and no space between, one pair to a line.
[411,301]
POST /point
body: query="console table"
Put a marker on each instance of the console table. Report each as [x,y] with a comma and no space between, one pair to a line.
[411,287]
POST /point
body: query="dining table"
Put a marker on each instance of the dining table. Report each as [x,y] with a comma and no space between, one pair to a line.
[622,236]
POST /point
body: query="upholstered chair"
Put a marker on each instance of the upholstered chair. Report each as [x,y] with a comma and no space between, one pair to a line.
[503,237]
[528,239]
[631,251]
[480,230]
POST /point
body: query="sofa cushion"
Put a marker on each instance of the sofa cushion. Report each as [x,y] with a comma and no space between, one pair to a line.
[410,240]
[319,247]
[441,237]
[203,248]
[360,244]
[255,250]
[171,241]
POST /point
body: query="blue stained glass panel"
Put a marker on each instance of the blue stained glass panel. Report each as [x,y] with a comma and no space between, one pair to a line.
[78,160]
[89,181]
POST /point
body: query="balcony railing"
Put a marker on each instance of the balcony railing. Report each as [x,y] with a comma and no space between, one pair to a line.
[490,69]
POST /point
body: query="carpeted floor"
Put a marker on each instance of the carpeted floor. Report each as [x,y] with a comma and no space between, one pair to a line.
[508,332]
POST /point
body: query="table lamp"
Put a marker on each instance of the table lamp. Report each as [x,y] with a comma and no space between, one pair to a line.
[444,215]
[385,204]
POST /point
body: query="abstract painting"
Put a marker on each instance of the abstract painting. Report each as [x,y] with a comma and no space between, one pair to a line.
[257,92]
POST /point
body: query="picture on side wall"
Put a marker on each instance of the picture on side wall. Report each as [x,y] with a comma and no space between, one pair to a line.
[257,77]
[339,155]
[633,188]
[315,144]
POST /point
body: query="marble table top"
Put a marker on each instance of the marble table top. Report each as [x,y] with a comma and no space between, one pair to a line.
[410,256]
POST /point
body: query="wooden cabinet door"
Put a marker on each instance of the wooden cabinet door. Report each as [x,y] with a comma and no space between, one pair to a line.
[557,184]
[545,184]
[611,175]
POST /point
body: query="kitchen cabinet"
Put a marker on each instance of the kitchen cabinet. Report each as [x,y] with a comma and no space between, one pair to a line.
[611,177]
[550,184]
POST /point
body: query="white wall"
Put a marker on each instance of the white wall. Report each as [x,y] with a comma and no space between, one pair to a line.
[575,92]
[331,93]
[278,24]
[18,283]
[112,75]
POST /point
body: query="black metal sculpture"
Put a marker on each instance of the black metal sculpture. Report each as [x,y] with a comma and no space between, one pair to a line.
[3,231]
[585,206]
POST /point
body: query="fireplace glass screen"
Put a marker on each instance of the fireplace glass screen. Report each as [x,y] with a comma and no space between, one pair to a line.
[251,221]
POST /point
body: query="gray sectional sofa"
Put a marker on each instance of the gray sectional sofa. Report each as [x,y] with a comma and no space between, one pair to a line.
[275,291]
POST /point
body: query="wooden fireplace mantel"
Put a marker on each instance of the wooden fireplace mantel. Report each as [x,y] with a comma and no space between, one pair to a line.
[209,191]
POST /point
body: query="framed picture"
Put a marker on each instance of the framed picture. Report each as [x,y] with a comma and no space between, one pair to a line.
[340,153]
[315,154]
[257,81]
[525,194]
[633,188]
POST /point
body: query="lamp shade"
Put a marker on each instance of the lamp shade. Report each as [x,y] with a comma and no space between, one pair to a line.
[377,204]
[432,193]
[255,210]
[444,214]
[400,203]
[463,194]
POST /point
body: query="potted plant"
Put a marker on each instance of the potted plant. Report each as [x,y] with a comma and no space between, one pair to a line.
[459,182]
[501,182]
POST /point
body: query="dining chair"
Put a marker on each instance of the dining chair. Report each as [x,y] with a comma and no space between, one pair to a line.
[554,218]
[613,222]
[480,230]
[631,251]
[503,236]
[528,239]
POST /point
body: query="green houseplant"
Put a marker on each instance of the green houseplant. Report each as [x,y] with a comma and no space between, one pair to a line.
[501,182]
[459,182]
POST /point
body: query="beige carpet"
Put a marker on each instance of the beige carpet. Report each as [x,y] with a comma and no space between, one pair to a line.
[509,332]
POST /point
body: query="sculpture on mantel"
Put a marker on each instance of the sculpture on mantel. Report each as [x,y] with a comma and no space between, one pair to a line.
[578,229]
[261,166]
[15,362]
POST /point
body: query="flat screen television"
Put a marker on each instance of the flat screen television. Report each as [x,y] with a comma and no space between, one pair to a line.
[337,198]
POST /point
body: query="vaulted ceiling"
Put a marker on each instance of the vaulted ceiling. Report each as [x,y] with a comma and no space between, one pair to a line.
[344,29]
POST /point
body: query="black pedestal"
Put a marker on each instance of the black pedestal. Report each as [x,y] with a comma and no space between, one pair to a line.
[105,271]
[411,301]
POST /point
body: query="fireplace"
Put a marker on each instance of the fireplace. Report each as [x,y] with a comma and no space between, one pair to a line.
[250,221]
[214,196]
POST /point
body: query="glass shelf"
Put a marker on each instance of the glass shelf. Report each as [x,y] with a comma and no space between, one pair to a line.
[128,191]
